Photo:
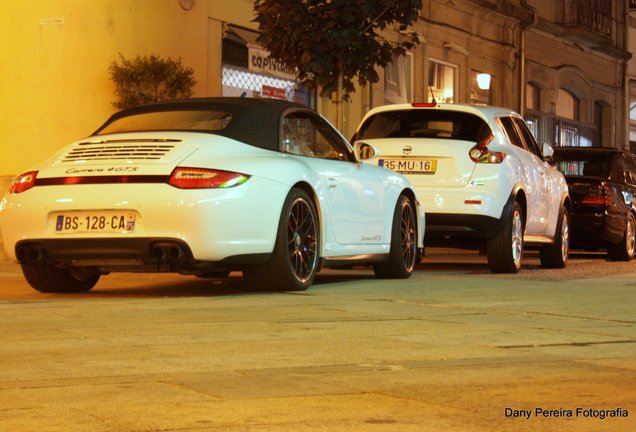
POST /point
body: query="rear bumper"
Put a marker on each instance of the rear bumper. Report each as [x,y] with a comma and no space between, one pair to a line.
[213,223]
[597,229]
[121,254]
[442,227]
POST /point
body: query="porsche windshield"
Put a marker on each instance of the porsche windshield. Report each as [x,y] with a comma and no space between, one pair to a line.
[195,120]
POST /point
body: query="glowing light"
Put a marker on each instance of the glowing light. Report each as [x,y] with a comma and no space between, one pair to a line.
[483,81]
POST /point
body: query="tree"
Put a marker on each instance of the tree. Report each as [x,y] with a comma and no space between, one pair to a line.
[150,79]
[328,41]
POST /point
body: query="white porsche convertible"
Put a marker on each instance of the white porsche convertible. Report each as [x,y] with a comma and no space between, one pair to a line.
[205,187]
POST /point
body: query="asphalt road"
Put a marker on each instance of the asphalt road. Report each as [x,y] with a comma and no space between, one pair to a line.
[453,348]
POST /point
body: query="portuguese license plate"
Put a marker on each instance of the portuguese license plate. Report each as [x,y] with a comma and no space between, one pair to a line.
[95,222]
[410,165]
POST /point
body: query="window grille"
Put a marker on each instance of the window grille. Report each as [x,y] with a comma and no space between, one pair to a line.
[560,132]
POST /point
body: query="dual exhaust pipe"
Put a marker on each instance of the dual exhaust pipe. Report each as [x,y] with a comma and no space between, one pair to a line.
[170,252]
[31,254]
[36,253]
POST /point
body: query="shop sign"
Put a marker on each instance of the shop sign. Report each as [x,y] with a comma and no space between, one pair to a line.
[260,62]
[273,92]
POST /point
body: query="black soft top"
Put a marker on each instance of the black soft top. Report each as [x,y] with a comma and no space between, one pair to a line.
[254,121]
[589,150]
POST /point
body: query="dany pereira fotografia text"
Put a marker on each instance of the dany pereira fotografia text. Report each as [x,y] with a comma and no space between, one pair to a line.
[579,412]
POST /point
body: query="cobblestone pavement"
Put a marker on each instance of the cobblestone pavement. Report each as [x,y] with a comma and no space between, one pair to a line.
[453,348]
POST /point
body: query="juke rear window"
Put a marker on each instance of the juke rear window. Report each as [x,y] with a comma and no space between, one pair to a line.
[424,123]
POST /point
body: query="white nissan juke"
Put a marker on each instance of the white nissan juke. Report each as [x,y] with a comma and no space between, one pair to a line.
[482,177]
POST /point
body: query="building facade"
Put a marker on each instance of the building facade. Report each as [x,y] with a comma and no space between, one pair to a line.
[560,63]
[631,75]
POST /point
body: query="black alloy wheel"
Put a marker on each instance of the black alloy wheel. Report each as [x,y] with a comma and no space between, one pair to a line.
[302,240]
[295,260]
[403,253]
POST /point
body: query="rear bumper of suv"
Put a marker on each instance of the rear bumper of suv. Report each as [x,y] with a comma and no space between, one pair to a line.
[596,229]
[442,227]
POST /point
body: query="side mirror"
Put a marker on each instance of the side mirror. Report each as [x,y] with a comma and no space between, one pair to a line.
[547,151]
[365,151]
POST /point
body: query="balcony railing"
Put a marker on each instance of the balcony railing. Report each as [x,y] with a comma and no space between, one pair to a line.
[594,16]
[560,132]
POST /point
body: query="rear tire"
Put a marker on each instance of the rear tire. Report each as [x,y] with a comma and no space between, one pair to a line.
[295,261]
[556,254]
[48,279]
[505,249]
[624,250]
[403,253]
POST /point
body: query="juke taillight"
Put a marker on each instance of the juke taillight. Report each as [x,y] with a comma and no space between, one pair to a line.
[23,182]
[481,154]
[203,178]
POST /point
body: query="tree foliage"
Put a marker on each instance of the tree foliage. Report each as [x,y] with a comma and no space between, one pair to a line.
[150,79]
[326,40]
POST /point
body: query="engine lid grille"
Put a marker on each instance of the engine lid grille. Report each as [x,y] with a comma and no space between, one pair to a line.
[129,149]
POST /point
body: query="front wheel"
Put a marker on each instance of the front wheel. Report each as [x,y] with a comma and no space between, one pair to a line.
[295,261]
[403,253]
[48,279]
[505,249]
[556,254]
[624,250]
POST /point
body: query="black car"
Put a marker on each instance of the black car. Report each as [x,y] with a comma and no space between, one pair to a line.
[602,183]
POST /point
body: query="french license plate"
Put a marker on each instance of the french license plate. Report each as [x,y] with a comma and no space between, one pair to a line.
[410,165]
[95,222]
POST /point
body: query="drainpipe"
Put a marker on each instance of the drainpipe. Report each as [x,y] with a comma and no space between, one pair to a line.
[522,55]
[626,80]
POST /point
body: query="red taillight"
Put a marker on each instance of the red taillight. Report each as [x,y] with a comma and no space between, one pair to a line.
[201,178]
[597,196]
[596,200]
[424,105]
[23,182]
[481,154]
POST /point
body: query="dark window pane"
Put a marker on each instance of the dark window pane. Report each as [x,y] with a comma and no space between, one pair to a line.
[197,120]
[424,124]
[584,164]
[511,131]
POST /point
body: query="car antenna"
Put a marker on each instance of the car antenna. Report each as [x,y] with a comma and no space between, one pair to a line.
[432,94]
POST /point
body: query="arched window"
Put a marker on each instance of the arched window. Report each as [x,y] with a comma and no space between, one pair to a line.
[602,123]
[567,105]
[533,93]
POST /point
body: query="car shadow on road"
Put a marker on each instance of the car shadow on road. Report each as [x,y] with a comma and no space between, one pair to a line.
[138,285]
[168,286]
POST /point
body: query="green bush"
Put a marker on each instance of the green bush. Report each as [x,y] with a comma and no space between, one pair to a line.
[150,79]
